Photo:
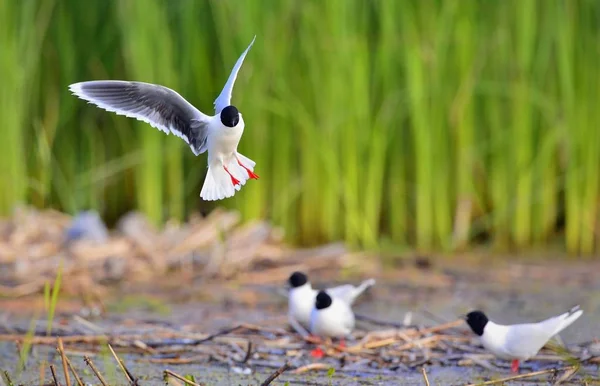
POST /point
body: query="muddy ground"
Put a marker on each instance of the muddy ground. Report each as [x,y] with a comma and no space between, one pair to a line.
[432,295]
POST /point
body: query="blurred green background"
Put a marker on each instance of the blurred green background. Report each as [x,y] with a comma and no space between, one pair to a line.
[430,124]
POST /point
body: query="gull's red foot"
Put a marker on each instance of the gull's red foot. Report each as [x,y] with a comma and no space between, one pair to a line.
[251,174]
[234,180]
[514,367]
[317,353]
[343,343]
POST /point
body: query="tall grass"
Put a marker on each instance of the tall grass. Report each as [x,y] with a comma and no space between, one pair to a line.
[425,124]
[23,28]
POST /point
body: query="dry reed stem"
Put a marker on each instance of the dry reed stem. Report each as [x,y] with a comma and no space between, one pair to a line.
[276,374]
[424,372]
[128,375]
[61,351]
[89,362]
[371,345]
[418,343]
[53,371]
[311,367]
[79,381]
[441,327]
[220,333]
[187,381]
[567,375]
[248,353]
[521,376]
[43,371]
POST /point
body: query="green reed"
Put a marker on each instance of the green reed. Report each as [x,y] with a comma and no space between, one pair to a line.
[422,124]
[24,26]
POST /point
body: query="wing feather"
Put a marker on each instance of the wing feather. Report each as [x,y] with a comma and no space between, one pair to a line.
[156,105]
[224,98]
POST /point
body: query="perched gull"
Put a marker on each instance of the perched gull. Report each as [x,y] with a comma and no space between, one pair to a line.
[518,342]
[331,317]
[301,297]
[169,112]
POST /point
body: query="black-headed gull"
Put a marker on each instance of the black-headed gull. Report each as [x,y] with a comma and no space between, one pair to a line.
[331,317]
[301,297]
[169,112]
[518,342]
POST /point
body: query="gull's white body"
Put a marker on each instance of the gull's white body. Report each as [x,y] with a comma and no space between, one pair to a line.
[301,300]
[523,341]
[222,143]
[169,112]
[335,321]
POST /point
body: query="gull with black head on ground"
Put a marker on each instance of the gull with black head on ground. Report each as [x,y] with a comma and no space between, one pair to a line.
[518,342]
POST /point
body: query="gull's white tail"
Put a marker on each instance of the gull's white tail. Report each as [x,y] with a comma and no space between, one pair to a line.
[363,287]
[563,321]
[217,184]
[348,292]
[556,324]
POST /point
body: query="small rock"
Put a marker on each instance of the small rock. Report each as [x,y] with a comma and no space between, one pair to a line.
[89,226]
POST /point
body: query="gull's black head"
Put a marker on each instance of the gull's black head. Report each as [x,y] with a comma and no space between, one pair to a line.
[477,321]
[230,116]
[323,300]
[297,279]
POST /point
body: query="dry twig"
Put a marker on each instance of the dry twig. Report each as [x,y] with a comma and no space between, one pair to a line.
[174,375]
[54,375]
[520,376]
[130,378]
[310,367]
[89,362]
[424,372]
[276,374]
[79,381]
[567,375]
[61,351]
[220,333]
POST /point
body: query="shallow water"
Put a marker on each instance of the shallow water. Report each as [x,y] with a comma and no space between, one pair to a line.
[504,300]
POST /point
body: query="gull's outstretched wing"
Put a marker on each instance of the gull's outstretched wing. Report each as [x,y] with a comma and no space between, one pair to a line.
[224,99]
[159,106]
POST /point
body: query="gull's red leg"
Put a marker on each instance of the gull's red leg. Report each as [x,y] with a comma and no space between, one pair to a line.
[251,174]
[234,180]
[317,353]
[514,367]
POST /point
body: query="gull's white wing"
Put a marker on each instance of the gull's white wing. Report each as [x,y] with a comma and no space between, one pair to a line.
[525,340]
[159,106]
[522,338]
[224,99]
[349,318]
